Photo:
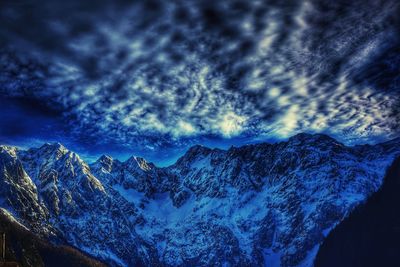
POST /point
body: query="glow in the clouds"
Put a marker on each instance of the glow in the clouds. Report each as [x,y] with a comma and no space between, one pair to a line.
[172,74]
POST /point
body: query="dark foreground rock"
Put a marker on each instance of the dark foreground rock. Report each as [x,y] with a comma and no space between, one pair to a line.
[25,249]
[370,236]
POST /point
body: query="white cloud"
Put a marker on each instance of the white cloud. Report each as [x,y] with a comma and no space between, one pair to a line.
[231,124]
[214,88]
[184,129]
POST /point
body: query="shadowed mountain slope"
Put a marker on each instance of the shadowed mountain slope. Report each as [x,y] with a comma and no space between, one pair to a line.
[370,236]
[27,249]
[262,204]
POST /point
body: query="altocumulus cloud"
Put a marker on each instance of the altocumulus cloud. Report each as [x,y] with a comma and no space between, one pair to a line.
[166,73]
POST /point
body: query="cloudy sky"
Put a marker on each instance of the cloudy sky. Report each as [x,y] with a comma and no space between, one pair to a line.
[152,78]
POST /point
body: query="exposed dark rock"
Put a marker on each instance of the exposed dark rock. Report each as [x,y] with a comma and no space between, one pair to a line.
[252,205]
[370,235]
[29,250]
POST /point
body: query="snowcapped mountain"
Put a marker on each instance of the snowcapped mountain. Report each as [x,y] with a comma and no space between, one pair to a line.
[263,204]
[66,202]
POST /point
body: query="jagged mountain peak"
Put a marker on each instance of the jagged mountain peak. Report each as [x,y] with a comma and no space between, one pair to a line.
[298,139]
[49,152]
[10,150]
[258,202]
[318,142]
[198,153]
[53,163]
[56,151]
[105,164]
[56,146]
[199,148]
[139,162]
[105,158]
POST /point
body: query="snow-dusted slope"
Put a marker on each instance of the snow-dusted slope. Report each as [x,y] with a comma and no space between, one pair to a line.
[78,209]
[268,204]
[18,193]
[27,249]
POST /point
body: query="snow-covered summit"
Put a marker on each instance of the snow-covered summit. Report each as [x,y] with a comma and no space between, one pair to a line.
[10,150]
[260,204]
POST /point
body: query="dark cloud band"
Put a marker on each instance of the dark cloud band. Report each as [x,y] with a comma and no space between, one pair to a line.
[156,73]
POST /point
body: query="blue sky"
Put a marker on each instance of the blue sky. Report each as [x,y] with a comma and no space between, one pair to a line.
[152,78]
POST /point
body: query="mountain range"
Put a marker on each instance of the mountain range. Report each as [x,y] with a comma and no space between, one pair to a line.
[261,204]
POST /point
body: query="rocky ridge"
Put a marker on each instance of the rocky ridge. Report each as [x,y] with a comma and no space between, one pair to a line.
[262,204]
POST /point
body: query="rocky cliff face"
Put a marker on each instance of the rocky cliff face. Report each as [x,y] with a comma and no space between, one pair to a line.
[23,248]
[264,204]
[58,197]
[370,235]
